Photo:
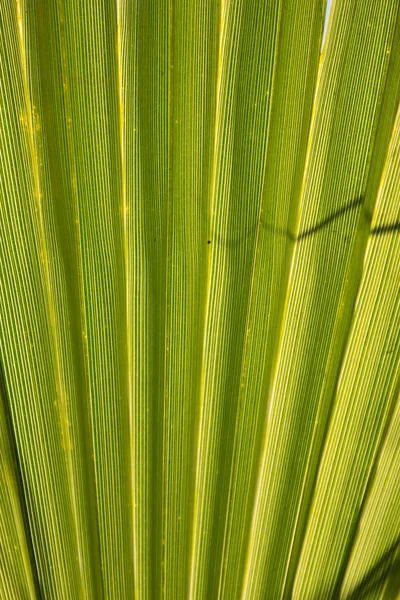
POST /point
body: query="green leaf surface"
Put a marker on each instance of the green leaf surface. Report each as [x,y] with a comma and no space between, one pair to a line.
[375,549]
[199,299]
[17,575]
[370,378]
[318,302]
[85,130]
[144,67]
[28,336]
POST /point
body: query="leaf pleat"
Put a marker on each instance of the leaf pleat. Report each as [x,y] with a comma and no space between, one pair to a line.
[329,239]
[27,337]
[367,388]
[18,577]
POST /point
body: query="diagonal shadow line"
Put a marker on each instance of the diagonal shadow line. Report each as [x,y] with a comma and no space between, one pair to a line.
[377,574]
[379,230]
[328,220]
[385,229]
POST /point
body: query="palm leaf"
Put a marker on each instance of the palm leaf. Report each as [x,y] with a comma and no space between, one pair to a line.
[199,299]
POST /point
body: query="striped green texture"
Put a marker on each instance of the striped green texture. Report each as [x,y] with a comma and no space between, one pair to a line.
[199,299]
[18,578]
